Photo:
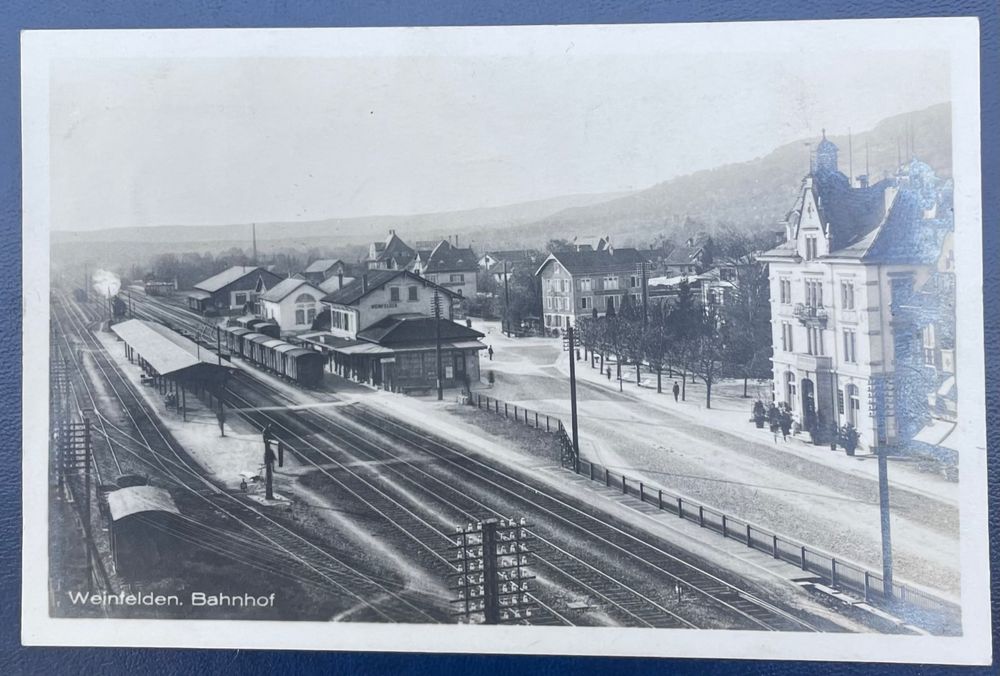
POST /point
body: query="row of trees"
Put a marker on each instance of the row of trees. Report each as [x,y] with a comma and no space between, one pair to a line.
[727,340]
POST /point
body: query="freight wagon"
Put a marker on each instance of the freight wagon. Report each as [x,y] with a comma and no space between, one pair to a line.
[303,366]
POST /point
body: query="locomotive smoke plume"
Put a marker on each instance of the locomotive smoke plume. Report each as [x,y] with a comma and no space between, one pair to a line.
[106,283]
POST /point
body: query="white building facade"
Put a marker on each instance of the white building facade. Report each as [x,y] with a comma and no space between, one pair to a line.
[292,304]
[851,252]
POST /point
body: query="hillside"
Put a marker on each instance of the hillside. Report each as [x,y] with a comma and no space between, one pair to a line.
[750,195]
[340,231]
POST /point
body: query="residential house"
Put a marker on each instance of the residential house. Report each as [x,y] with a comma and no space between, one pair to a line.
[691,258]
[391,254]
[592,243]
[499,264]
[232,290]
[853,257]
[324,268]
[575,283]
[449,266]
[712,288]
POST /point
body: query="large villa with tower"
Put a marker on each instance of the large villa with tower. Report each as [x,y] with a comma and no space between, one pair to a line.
[849,347]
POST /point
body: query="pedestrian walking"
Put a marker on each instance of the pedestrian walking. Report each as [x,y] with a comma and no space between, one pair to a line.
[677,391]
[489,351]
[786,424]
[774,420]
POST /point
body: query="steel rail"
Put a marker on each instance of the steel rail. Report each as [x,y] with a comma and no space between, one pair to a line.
[253,410]
[186,466]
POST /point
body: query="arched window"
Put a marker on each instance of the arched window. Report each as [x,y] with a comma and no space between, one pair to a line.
[305,309]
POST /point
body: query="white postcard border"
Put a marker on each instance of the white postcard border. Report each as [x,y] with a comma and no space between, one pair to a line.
[959,36]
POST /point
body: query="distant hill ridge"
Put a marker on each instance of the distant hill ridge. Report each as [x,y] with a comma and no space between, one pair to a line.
[351,230]
[754,194]
[747,195]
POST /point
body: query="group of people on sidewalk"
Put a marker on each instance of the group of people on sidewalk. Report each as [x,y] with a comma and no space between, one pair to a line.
[779,418]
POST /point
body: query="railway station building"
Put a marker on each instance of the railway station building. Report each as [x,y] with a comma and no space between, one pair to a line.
[381,330]
[233,290]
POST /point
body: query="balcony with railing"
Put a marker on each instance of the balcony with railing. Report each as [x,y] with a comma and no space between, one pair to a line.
[811,315]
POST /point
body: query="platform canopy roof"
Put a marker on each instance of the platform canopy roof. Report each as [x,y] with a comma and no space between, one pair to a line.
[168,352]
[135,499]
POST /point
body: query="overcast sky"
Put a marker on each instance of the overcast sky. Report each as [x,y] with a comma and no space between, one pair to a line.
[158,141]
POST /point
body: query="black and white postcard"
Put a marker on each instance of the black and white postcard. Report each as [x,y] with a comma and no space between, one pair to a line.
[656,340]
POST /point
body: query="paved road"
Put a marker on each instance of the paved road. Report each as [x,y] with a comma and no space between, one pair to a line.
[787,492]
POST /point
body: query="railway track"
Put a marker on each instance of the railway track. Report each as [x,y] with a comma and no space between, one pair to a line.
[151,445]
[640,550]
[628,603]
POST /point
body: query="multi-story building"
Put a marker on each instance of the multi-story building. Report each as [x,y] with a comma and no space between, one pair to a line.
[851,253]
[575,283]
[381,329]
[449,266]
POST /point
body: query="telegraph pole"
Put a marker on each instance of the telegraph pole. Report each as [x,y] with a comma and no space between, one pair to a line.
[506,302]
[437,342]
[883,507]
[645,295]
[882,451]
[572,400]
[491,566]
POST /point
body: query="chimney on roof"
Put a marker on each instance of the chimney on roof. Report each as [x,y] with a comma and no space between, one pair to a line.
[456,241]
[364,283]
[340,279]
